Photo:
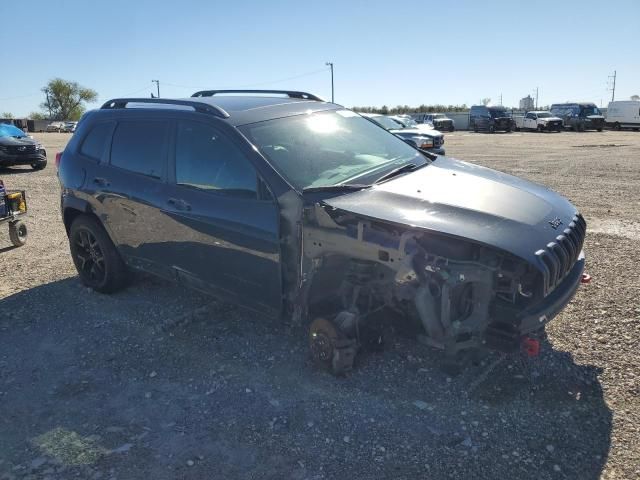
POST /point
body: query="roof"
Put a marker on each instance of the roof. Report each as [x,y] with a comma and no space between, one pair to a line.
[237,109]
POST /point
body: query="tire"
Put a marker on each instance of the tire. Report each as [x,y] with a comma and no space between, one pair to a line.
[96,258]
[600,129]
[540,128]
[617,126]
[581,127]
[452,128]
[39,165]
[18,233]
[492,129]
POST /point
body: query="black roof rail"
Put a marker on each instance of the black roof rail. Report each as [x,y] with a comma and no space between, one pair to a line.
[289,93]
[200,107]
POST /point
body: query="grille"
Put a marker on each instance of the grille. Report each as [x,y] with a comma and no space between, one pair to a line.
[438,141]
[20,149]
[558,257]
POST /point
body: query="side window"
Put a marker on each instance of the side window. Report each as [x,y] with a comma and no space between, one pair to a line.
[531,116]
[207,160]
[140,147]
[95,142]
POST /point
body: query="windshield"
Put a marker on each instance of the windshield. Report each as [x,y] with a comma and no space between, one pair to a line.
[330,148]
[438,115]
[7,130]
[590,110]
[406,122]
[544,115]
[498,112]
[386,122]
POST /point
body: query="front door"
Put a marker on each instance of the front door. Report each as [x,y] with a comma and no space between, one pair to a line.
[225,232]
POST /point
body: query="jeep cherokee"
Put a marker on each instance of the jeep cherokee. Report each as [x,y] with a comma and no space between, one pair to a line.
[300,208]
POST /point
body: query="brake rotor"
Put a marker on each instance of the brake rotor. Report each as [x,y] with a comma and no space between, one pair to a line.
[330,348]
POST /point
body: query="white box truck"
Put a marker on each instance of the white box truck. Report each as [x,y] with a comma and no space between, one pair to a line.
[623,114]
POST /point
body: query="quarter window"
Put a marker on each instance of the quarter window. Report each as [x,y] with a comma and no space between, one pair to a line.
[207,160]
[140,147]
[95,142]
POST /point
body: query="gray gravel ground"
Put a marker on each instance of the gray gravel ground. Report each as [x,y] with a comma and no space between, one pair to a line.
[107,387]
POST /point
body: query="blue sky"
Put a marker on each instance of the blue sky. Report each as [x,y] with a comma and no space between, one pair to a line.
[384,52]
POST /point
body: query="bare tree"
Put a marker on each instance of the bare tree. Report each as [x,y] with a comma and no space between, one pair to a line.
[635,98]
[486,101]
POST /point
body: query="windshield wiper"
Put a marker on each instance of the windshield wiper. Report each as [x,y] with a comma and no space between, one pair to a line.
[345,187]
[409,167]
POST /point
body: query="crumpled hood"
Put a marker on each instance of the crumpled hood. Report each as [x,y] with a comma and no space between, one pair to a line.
[8,141]
[467,201]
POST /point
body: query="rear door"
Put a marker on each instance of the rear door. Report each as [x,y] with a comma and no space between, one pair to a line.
[223,223]
[132,189]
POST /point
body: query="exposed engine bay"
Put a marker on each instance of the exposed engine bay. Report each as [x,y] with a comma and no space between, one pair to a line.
[459,296]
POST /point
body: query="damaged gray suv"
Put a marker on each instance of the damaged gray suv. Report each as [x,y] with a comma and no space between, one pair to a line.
[302,209]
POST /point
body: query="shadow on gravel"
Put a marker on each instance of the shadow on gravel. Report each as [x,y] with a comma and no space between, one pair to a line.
[15,170]
[95,386]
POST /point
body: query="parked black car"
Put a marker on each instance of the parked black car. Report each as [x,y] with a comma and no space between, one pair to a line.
[300,208]
[579,116]
[490,119]
[16,148]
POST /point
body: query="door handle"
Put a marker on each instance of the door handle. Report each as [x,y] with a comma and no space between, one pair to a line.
[179,204]
[103,182]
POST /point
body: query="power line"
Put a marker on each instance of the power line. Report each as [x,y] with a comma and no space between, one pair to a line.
[249,85]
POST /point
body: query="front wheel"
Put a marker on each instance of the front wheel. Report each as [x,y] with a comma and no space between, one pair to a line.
[39,165]
[600,129]
[452,128]
[95,256]
[617,126]
[18,233]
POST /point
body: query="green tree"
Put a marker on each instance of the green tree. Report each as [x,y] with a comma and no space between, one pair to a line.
[64,100]
[635,98]
[37,116]
[6,115]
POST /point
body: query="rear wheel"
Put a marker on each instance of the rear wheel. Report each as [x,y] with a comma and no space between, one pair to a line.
[18,233]
[95,256]
[492,129]
[540,128]
[452,128]
[616,126]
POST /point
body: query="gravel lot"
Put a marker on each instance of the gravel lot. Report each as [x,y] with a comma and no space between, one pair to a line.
[111,387]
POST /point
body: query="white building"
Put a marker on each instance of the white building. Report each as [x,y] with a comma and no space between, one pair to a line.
[526,103]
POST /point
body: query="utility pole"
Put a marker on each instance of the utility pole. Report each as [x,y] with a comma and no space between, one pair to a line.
[330,64]
[536,98]
[157,82]
[613,90]
[500,99]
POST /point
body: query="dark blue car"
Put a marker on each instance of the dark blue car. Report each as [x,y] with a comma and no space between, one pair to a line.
[300,208]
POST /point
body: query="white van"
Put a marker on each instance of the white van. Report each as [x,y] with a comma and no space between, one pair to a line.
[623,114]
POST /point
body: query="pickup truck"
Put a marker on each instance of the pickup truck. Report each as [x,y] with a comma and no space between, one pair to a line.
[540,121]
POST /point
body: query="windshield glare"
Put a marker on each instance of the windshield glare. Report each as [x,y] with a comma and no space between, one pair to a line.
[330,148]
[7,130]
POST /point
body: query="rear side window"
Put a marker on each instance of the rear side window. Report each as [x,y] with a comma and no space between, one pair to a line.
[140,147]
[207,160]
[96,141]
